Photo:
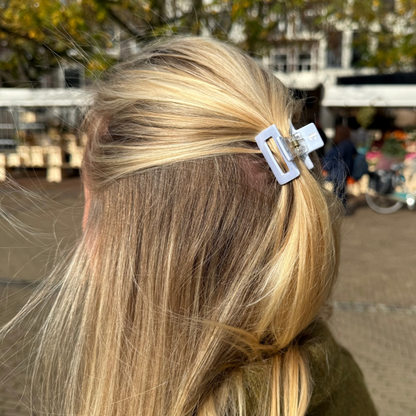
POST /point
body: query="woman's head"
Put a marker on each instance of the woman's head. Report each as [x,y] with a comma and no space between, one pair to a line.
[197,271]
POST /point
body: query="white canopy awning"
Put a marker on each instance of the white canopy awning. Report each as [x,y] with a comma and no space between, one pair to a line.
[370,96]
[43,97]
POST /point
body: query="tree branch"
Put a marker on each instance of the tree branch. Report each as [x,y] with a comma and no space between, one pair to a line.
[123,24]
[10,32]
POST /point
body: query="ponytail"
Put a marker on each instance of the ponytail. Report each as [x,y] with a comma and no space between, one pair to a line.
[196,271]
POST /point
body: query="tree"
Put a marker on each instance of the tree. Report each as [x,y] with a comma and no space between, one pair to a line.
[385,32]
[39,35]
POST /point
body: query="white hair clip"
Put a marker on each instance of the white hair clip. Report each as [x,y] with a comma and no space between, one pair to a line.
[299,143]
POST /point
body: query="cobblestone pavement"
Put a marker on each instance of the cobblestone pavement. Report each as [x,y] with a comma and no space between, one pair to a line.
[374,300]
[375,305]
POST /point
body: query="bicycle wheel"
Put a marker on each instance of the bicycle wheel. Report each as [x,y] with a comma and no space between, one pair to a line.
[382,204]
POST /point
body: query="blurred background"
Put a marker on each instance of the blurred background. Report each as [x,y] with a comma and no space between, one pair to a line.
[352,62]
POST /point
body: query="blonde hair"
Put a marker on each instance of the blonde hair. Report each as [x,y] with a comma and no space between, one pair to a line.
[197,272]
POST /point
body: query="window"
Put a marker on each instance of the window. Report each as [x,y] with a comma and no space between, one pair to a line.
[360,46]
[334,50]
[295,57]
[304,62]
[279,62]
[73,78]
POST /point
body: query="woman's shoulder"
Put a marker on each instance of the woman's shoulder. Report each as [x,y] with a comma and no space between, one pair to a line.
[339,386]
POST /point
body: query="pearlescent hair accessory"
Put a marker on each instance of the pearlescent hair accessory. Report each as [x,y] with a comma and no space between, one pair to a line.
[299,144]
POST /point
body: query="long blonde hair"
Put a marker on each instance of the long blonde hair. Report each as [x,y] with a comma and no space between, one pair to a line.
[197,272]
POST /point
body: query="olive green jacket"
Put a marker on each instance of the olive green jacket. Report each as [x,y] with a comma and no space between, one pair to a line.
[339,387]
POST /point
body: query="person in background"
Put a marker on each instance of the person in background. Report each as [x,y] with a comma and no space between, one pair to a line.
[339,161]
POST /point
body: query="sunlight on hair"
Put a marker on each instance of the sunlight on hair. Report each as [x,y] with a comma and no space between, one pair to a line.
[196,272]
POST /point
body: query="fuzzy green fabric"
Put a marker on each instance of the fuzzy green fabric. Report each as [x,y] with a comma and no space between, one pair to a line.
[338,383]
[339,387]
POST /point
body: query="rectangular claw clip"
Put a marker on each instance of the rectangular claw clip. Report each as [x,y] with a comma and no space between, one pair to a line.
[300,143]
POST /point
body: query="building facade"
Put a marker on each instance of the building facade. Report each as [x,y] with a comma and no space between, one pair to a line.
[321,66]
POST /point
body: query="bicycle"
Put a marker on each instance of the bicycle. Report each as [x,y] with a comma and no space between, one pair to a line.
[388,190]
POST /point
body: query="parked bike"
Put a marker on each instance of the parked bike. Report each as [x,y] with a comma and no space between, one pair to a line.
[388,191]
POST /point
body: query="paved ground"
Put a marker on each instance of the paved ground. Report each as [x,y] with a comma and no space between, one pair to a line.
[34,228]
[375,298]
[375,305]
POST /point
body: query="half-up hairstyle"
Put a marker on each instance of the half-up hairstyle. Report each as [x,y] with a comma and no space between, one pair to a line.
[196,272]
